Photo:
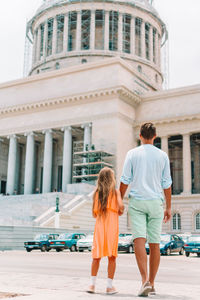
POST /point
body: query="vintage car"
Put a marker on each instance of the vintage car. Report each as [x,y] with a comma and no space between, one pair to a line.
[125,242]
[170,243]
[66,241]
[193,245]
[41,242]
[85,243]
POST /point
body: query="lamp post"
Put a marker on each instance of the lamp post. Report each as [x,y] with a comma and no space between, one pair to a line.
[57,213]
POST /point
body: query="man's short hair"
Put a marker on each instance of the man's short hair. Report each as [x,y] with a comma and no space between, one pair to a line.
[148,131]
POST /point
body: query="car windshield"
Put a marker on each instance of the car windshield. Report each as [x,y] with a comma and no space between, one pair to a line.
[194,239]
[124,234]
[64,236]
[40,237]
[165,238]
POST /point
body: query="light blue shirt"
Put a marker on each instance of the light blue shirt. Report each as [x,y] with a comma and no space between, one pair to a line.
[147,169]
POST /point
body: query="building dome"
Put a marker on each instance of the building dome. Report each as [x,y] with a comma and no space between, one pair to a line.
[67,33]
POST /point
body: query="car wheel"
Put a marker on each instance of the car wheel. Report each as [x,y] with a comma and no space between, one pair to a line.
[198,254]
[187,254]
[43,248]
[80,250]
[130,249]
[48,249]
[28,250]
[58,250]
[73,248]
[168,251]
[181,252]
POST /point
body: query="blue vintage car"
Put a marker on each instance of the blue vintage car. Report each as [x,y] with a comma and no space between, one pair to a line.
[193,245]
[170,243]
[41,242]
[66,241]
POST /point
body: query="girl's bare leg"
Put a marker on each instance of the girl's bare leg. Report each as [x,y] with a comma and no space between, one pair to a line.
[94,271]
[111,272]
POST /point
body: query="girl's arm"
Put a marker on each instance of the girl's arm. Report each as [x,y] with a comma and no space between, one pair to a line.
[120,203]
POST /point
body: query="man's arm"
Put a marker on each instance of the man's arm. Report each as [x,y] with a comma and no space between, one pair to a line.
[167,213]
[123,187]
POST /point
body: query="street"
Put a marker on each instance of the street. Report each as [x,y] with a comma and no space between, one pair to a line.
[66,275]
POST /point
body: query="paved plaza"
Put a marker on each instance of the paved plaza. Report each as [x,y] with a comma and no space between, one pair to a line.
[65,275]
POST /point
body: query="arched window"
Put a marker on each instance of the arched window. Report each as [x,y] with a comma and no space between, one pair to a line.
[197,221]
[84,61]
[57,65]
[176,222]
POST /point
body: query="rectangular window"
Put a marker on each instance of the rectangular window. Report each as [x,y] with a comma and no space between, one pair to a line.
[195,158]
[41,40]
[85,29]
[72,31]
[113,30]
[99,29]
[50,36]
[60,33]
[126,33]
[147,45]
[138,31]
[154,45]
[59,183]
[176,159]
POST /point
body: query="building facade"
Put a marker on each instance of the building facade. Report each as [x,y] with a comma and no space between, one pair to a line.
[95,77]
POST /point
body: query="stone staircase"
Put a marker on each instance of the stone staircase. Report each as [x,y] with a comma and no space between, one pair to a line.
[26,209]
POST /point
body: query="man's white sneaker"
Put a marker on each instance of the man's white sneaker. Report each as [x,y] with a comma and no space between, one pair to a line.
[145,289]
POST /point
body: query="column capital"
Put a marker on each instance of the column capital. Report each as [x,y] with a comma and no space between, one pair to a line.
[66,128]
[47,131]
[186,133]
[12,136]
[31,133]
[86,125]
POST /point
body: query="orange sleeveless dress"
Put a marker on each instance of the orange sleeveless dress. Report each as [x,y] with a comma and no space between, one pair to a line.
[106,232]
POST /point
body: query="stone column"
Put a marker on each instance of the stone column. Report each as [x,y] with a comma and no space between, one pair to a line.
[67,158]
[151,43]
[120,32]
[92,30]
[38,44]
[45,40]
[187,180]
[65,40]
[54,41]
[29,164]
[78,31]
[12,164]
[47,163]
[143,46]
[106,31]
[87,135]
[34,51]
[164,144]
[132,38]
[197,168]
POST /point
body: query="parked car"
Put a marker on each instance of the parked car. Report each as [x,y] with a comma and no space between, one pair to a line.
[193,245]
[170,243]
[125,243]
[66,241]
[41,242]
[85,243]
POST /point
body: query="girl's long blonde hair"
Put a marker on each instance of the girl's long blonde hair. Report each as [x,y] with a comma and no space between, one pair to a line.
[105,184]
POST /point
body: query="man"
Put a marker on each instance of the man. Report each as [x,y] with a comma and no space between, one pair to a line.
[147,169]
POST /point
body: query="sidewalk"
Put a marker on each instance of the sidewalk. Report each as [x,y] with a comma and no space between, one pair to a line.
[40,287]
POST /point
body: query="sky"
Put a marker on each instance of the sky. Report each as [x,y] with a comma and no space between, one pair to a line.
[180,16]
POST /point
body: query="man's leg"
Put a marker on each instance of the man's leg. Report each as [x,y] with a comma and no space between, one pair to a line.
[141,257]
[154,262]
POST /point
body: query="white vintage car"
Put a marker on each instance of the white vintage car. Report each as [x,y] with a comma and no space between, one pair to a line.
[85,243]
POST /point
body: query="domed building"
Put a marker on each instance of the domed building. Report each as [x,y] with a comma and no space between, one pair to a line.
[95,77]
[69,33]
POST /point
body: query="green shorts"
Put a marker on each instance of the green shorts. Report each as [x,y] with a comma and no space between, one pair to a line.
[146,219]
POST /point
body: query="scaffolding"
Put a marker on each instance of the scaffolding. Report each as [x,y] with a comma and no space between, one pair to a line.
[87,164]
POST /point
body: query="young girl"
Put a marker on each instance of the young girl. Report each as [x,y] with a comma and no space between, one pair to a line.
[107,206]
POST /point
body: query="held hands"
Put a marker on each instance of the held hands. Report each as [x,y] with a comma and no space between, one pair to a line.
[167,215]
[121,209]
